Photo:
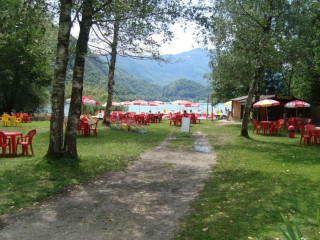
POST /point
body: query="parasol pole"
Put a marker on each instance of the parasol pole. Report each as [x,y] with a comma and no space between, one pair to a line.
[212,108]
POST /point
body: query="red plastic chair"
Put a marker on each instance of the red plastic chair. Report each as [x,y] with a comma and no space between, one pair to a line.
[309,129]
[256,125]
[273,128]
[304,135]
[93,128]
[81,127]
[26,141]
[4,143]
[159,119]
[280,123]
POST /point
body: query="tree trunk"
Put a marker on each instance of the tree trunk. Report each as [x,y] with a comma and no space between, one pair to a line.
[258,74]
[55,149]
[259,69]
[70,145]
[257,97]
[112,67]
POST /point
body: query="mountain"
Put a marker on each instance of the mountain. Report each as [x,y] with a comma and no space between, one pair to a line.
[129,86]
[187,90]
[191,65]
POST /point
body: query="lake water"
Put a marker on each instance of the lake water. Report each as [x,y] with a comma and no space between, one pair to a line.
[176,108]
[167,107]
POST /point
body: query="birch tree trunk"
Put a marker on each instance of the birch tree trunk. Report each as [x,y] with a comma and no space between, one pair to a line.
[258,74]
[259,69]
[70,145]
[112,67]
[55,149]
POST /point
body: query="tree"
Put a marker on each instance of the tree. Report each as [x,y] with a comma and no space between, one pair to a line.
[58,91]
[133,23]
[89,10]
[70,144]
[230,76]
[250,26]
[25,71]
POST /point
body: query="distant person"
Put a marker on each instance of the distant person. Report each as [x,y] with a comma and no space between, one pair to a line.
[185,114]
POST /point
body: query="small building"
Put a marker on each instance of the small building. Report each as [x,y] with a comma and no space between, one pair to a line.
[274,113]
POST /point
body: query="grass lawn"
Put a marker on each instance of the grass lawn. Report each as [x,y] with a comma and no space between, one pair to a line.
[255,181]
[26,180]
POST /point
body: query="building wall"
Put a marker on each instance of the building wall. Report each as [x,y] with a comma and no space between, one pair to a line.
[236,109]
[315,115]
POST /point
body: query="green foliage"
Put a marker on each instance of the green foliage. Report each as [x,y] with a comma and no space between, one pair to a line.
[25,70]
[290,49]
[231,74]
[291,234]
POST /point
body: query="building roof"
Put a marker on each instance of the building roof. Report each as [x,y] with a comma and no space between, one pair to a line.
[242,100]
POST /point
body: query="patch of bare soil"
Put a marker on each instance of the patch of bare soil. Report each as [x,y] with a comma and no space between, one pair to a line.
[226,122]
[147,200]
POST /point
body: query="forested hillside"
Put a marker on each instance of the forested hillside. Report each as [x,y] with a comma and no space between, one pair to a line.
[130,87]
[190,65]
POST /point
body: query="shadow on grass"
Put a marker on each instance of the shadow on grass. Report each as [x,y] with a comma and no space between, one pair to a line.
[239,203]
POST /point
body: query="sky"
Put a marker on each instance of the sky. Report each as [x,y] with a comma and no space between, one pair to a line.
[183,41]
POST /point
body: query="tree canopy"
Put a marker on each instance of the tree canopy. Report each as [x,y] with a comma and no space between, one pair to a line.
[26,59]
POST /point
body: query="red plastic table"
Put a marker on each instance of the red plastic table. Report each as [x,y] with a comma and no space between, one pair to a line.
[13,136]
[266,125]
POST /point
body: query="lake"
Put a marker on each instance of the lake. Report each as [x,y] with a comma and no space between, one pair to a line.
[167,106]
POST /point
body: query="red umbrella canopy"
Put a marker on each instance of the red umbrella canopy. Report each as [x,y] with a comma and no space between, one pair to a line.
[113,104]
[180,102]
[159,102]
[192,105]
[296,104]
[152,103]
[126,103]
[140,102]
[266,103]
[86,101]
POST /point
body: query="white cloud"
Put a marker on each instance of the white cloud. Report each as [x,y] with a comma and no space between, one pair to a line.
[184,40]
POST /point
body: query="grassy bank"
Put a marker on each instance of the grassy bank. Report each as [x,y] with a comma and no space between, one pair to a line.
[26,180]
[255,181]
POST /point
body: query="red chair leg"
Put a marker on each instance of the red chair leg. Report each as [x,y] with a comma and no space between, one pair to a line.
[31,149]
[4,152]
[26,150]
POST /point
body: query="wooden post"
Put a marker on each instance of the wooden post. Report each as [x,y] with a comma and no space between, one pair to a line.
[207,107]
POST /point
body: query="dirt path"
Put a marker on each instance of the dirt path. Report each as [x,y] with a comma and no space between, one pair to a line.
[145,201]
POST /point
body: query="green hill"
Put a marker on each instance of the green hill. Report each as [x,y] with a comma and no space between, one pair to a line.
[130,87]
[190,65]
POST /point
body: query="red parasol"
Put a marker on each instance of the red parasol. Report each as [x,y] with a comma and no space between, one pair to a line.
[113,104]
[180,102]
[140,102]
[126,103]
[297,104]
[266,103]
[86,101]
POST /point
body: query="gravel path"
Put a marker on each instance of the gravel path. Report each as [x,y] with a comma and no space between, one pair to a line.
[145,201]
